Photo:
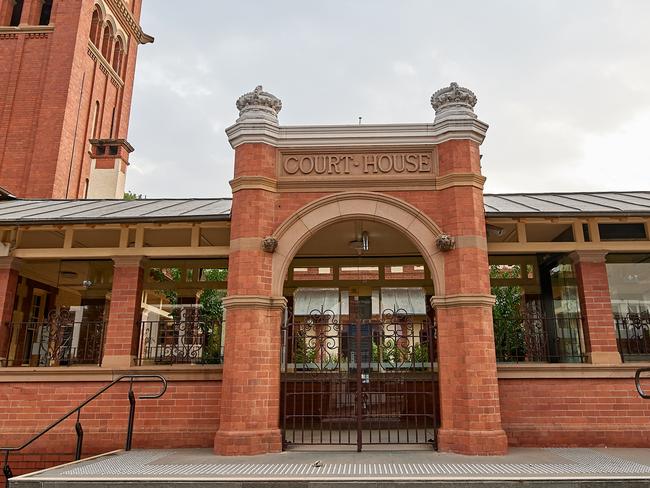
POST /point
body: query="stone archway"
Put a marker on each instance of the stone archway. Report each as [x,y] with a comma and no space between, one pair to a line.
[304,223]
[320,397]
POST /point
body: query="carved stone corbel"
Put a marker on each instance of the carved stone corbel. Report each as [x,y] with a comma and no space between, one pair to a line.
[269,244]
[445,242]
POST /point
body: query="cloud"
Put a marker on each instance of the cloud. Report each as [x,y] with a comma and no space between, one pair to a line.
[563,85]
[403,68]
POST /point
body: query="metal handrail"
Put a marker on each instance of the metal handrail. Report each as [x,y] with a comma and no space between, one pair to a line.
[637,383]
[78,428]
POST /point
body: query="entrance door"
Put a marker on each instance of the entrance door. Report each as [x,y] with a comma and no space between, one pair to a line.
[358,381]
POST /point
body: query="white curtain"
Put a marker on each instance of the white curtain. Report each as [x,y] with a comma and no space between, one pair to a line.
[306,300]
[413,300]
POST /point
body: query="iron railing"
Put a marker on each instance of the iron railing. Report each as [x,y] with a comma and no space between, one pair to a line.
[633,335]
[57,341]
[190,339]
[133,378]
[637,383]
[535,338]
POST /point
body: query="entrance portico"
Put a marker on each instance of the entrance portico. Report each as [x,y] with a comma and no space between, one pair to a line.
[421,180]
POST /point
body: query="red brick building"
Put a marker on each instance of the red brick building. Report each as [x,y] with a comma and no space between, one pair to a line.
[359,288]
[67,77]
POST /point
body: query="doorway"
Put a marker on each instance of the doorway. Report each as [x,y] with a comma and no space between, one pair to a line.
[365,381]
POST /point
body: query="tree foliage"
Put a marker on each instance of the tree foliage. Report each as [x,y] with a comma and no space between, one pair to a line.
[209,301]
[129,196]
[506,314]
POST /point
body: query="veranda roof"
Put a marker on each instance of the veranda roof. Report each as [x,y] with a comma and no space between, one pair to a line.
[27,211]
[567,204]
[110,211]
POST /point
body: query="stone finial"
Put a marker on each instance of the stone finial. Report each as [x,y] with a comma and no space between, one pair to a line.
[453,101]
[269,244]
[445,242]
[258,104]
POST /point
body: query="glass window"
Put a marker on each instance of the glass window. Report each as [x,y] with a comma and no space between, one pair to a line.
[313,274]
[173,288]
[536,310]
[622,232]
[404,272]
[182,311]
[359,273]
[60,311]
[629,288]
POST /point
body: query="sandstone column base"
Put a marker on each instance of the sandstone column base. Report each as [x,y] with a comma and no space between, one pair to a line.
[473,442]
[604,357]
[123,361]
[247,443]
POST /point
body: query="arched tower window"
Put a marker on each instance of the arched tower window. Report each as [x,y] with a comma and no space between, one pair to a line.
[95,28]
[46,12]
[112,122]
[118,53]
[93,135]
[107,42]
[16,13]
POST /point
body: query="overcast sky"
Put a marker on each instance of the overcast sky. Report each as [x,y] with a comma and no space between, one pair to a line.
[564,85]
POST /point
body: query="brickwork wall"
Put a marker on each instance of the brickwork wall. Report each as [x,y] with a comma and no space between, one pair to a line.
[250,413]
[251,404]
[122,331]
[596,309]
[535,413]
[574,413]
[47,103]
[186,416]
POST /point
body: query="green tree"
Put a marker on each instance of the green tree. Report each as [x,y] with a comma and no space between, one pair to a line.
[129,195]
[506,315]
[210,304]
[211,300]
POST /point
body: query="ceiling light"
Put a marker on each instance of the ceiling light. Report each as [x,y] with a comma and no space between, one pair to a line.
[361,245]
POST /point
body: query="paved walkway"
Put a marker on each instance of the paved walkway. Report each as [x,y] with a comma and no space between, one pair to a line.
[398,465]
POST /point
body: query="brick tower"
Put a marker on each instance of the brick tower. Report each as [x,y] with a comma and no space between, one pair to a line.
[66,81]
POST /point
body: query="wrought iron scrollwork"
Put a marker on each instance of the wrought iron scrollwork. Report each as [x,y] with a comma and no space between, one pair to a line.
[633,335]
[531,336]
[59,340]
[186,337]
[392,341]
[314,343]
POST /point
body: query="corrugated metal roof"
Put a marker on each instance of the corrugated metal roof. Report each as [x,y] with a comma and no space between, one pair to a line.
[180,210]
[105,211]
[597,203]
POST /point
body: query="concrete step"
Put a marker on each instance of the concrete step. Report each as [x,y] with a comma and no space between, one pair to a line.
[391,468]
[617,483]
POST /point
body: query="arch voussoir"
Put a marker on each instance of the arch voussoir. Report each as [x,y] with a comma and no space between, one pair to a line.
[298,228]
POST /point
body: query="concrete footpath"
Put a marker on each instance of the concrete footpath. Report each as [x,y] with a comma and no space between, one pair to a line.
[320,469]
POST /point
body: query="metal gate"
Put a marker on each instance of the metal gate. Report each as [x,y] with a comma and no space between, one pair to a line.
[357,383]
